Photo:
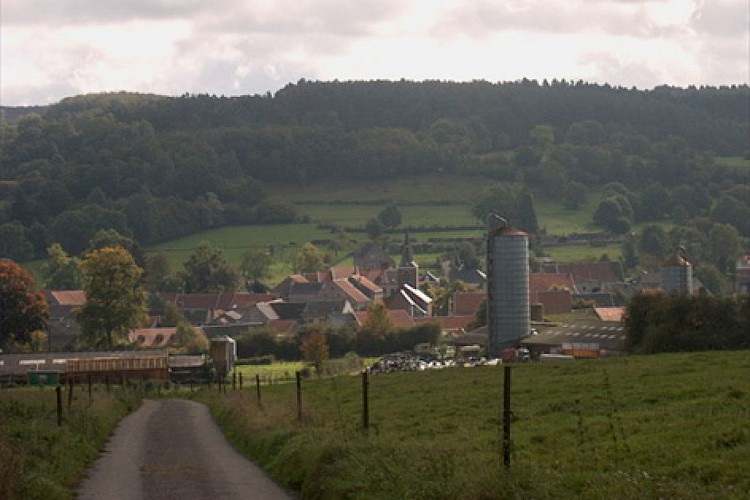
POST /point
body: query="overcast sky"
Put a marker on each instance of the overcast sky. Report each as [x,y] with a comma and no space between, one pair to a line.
[53,49]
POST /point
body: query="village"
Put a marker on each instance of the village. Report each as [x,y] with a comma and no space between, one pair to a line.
[575,311]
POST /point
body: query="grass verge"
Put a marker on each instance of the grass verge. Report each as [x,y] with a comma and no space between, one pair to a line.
[668,426]
[38,459]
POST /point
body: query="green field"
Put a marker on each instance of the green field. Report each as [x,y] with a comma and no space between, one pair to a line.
[733,161]
[422,189]
[355,216]
[666,426]
[575,253]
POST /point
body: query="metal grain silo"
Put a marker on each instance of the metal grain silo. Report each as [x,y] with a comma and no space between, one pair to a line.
[508,311]
[677,274]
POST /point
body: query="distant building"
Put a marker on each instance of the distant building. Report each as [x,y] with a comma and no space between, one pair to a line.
[677,274]
[742,275]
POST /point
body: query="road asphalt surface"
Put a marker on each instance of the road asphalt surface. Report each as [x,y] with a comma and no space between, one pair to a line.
[172,449]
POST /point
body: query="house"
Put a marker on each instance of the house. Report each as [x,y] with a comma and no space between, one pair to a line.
[472,277]
[372,257]
[467,303]
[412,300]
[153,337]
[398,318]
[204,308]
[325,311]
[343,282]
[742,275]
[62,306]
[282,289]
[553,290]
[587,337]
[588,276]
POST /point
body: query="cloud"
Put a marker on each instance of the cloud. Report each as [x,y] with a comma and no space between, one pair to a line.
[55,48]
[721,18]
[485,18]
[89,12]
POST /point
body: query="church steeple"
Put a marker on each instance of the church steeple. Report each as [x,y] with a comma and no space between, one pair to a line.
[407,255]
[408,270]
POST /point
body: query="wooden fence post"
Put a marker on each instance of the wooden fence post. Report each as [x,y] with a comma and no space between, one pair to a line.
[257,386]
[58,391]
[70,390]
[299,395]
[506,417]
[365,401]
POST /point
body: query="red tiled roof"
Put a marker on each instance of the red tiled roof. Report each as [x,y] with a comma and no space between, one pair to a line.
[555,301]
[282,325]
[68,297]
[153,337]
[542,282]
[610,313]
[224,301]
[343,272]
[588,271]
[374,275]
[351,291]
[467,303]
[366,283]
[399,318]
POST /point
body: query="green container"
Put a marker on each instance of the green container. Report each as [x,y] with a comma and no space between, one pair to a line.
[43,377]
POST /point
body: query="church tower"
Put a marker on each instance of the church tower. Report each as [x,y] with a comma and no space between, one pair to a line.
[407,271]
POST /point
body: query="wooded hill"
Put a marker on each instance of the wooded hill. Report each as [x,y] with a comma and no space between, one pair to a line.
[155,168]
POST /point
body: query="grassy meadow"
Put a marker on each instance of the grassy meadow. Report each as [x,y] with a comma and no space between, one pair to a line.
[666,426]
[425,202]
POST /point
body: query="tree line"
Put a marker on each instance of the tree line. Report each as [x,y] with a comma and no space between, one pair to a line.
[155,168]
[658,322]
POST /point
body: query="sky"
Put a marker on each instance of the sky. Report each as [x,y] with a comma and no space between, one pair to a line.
[52,49]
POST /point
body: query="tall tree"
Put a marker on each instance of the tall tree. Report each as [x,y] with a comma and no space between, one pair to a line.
[207,271]
[159,275]
[62,271]
[377,322]
[526,213]
[309,259]
[255,266]
[115,300]
[314,349]
[390,216]
[22,310]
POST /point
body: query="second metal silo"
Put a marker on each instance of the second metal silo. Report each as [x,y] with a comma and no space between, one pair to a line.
[508,311]
[677,274]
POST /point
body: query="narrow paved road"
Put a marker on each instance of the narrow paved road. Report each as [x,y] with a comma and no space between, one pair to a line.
[172,449]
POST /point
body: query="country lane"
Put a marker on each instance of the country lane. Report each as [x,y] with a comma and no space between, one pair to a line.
[172,449]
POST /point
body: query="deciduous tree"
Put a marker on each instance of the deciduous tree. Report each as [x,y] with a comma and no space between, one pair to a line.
[22,310]
[390,216]
[314,349]
[255,266]
[207,270]
[309,259]
[62,271]
[115,300]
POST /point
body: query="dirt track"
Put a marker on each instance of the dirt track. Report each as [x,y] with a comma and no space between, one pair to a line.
[172,449]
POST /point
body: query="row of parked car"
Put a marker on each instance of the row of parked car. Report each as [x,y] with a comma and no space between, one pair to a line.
[400,362]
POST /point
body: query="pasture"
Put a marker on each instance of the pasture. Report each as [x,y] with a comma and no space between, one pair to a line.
[666,426]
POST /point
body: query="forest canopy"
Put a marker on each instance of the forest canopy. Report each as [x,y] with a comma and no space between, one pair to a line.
[155,168]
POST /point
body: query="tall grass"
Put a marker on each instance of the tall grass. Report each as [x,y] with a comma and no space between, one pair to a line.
[38,459]
[670,426]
